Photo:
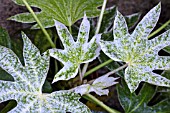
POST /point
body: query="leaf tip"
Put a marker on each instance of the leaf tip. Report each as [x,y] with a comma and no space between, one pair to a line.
[57,23]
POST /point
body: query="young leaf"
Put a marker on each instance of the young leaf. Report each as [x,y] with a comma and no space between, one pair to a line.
[75,53]
[98,86]
[28,81]
[140,53]
[65,11]
[133,103]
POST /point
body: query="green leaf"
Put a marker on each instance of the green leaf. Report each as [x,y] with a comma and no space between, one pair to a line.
[65,11]
[140,53]
[41,41]
[165,89]
[5,41]
[109,16]
[75,53]
[98,86]
[4,38]
[167,49]
[132,19]
[28,81]
[107,20]
[133,103]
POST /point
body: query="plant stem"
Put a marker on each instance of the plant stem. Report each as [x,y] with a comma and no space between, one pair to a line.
[39,23]
[80,75]
[101,17]
[159,29]
[109,61]
[84,69]
[97,31]
[100,103]
[116,70]
[70,29]
[98,67]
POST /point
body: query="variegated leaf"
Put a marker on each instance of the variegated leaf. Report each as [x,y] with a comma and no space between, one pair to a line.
[140,53]
[98,86]
[75,53]
[28,81]
[65,11]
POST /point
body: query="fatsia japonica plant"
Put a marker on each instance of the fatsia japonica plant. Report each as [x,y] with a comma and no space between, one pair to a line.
[28,81]
[138,54]
[75,53]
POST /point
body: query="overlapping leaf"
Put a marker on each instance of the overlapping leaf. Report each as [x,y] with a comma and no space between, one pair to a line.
[28,81]
[75,53]
[65,11]
[98,86]
[140,53]
[4,41]
[133,103]
[106,29]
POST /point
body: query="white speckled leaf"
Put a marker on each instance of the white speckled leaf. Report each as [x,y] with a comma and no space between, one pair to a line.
[98,86]
[65,11]
[140,53]
[75,53]
[28,81]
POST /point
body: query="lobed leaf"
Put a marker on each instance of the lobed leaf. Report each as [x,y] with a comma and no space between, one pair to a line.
[26,88]
[98,86]
[65,11]
[75,52]
[138,103]
[107,35]
[140,53]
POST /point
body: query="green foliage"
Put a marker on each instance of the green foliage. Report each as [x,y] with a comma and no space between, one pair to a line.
[5,41]
[75,53]
[140,53]
[40,40]
[138,103]
[23,77]
[4,38]
[65,11]
[106,29]
[28,82]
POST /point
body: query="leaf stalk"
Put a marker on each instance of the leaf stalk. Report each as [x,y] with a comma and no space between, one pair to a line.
[159,29]
[39,23]
[97,31]
[100,103]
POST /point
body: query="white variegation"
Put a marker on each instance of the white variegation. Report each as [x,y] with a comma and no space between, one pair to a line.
[75,52]
[140,53]
[98,86]
[26,88]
